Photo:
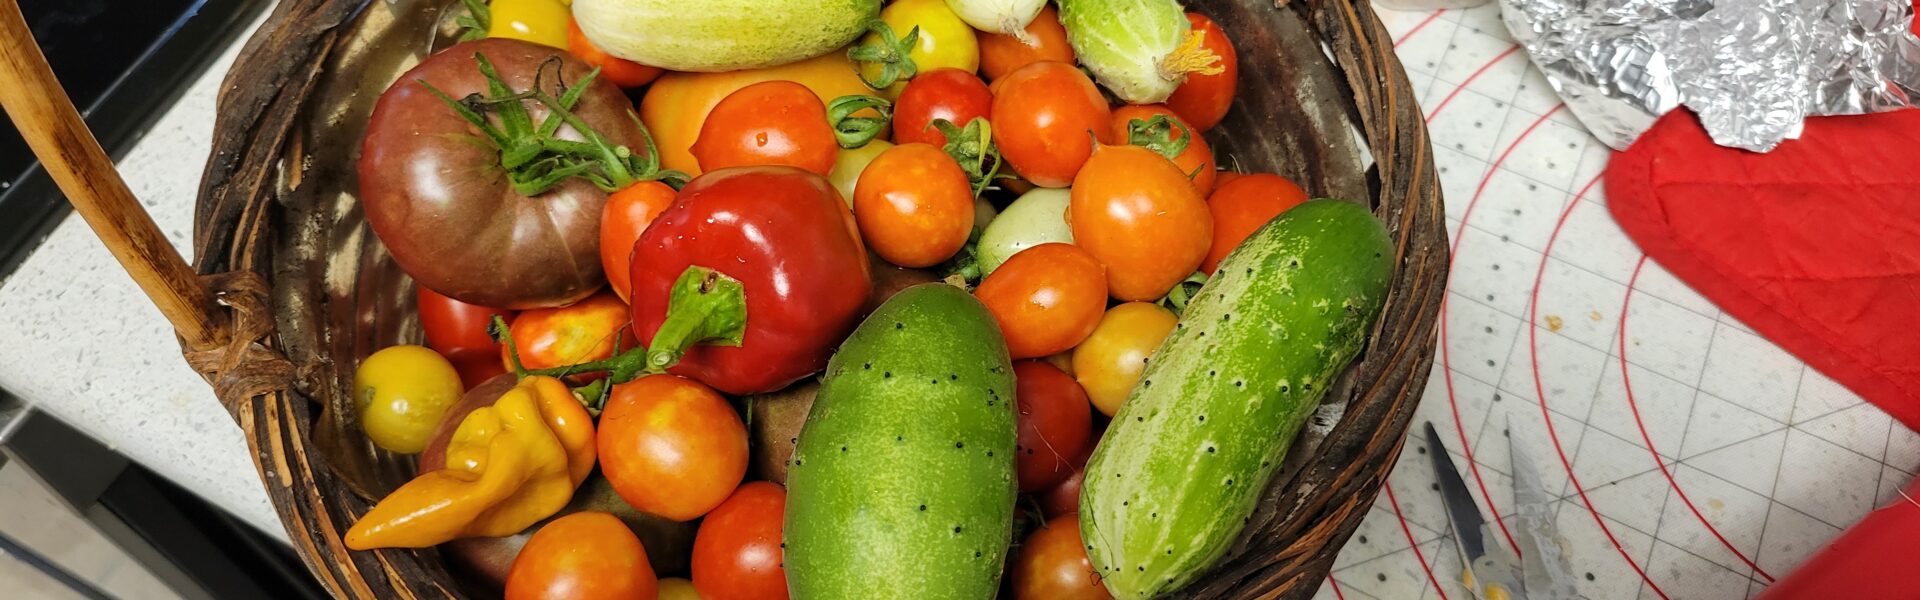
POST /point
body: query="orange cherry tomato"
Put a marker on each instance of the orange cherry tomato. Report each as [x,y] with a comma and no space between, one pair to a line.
[1242,206]
[1046,116]
[1204,99]
[1047,40]
[1196,160]
[952,94]
[768,123]
[1109,362]
[580,332]
[1137,212]
[627,213]
[914,206]
[1046,298]
[1053,565]
[1054,423]
[738,553]
[1220,179]
[584,556]
[458,331]
[671,446]
[620,71]
[677,104]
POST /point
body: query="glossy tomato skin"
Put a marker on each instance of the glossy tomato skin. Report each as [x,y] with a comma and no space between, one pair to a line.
[1054,423]
[1196,160]
[620,71]
[677,104]
[738,553]
[952,94]
[914,206]
[945,41]
[542,22]
[1042,116]
[628,212]
[1046,298]
[401,393]
[458,331]
[580,332]
[583,556]
[1004,54]
[1053,565]
[1204,99]
[671,446]
[434,192]
[1244,205]
[1136,212]
[792,243]
[1109,362]
[768,123]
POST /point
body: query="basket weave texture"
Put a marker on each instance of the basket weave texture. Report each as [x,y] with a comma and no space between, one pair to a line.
[1322,100]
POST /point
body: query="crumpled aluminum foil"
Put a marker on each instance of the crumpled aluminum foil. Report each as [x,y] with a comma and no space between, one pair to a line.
[1752,69]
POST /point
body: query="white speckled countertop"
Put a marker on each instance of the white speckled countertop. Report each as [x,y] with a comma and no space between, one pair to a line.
[78,340]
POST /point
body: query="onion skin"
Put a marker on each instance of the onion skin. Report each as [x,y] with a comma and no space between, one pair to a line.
[1004,17]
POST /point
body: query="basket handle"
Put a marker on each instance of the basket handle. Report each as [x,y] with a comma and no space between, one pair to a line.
[45,116]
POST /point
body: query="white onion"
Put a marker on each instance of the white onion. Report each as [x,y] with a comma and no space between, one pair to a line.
[1006,17]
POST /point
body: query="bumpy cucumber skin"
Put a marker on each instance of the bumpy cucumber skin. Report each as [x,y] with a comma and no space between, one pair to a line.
[902,484]
[1123,42]
[722,35]
[1189,454]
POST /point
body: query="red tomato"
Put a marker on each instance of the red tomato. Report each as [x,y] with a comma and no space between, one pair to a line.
[913,205]
[1136,212]
[1064,498]
[1042,116]
[951,94]
[671,446]
[1047,40]
[1196,160]
[1220,179]
[1053,565]
[1242,206]
[768,123]
[458,331]
[1046,298]
[580,332]
[1055,421]
[1204,99]
[620,71]
[585,556]
[737,553]
[628,212]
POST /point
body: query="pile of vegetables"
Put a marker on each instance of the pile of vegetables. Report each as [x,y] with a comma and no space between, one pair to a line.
[857,301]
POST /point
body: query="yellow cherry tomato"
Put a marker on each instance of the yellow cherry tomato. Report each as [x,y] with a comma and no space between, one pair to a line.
[1109,362]
[402,392]
[675,588]
[538,21]
[945,40]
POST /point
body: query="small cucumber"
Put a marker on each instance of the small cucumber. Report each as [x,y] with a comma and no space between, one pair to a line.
[1182,467]
[902,483]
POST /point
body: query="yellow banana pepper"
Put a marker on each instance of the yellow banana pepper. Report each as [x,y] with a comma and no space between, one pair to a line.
[509,465]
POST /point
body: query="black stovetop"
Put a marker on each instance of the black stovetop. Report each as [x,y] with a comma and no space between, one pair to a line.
[124,62]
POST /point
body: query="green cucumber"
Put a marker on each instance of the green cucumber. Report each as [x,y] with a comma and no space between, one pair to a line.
[1140,49]
[721,35]
[1185,462]
[902,483]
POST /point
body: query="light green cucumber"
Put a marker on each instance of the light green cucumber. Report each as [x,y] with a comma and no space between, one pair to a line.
[1178,473]
[902,483]
[721,35]
[1134,47]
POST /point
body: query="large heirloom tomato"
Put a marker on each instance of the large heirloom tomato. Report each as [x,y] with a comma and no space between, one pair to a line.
[435,190]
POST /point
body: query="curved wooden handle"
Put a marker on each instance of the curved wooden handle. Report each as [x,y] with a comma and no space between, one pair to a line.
[45,116]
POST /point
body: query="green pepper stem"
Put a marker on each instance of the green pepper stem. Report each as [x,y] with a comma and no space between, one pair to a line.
[705,306]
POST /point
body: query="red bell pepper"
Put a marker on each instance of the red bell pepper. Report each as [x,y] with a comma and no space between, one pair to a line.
[788,240]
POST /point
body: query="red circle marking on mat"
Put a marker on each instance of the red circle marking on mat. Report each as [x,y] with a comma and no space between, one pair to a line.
[1417,27]
[1413,543]
[1626,381]
[1540,392]
[1463,85]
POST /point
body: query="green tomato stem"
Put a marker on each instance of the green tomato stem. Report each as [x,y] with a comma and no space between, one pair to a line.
[704,306]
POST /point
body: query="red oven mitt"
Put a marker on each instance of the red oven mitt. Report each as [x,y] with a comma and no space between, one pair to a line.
[1815,245]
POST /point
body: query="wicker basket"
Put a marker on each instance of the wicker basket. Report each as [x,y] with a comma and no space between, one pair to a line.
[305,290]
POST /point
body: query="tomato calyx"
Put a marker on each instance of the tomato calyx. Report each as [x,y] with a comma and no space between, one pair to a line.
[534,158]
[889,50]
[474,24]
[972,147]
[855,132]
[705,306]
[1182,293]
[1156,134]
